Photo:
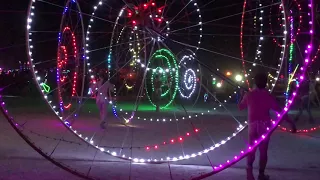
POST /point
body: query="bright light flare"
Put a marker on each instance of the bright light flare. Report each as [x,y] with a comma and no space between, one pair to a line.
[238,78]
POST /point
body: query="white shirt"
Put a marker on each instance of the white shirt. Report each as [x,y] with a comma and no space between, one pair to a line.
[102,90]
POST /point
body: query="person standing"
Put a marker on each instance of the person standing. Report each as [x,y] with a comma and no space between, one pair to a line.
[103,89]
[304,103]
[157,92]
[259,102]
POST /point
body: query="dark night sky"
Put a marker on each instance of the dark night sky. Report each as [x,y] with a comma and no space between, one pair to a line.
[13,18]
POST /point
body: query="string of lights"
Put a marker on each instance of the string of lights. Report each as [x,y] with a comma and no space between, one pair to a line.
[91,142]
[297,32]
[247,74]
[62,65]
[189,85]
[291,50]
[303,69]
[174,159]
[154,17]
[171,80]
[42,81]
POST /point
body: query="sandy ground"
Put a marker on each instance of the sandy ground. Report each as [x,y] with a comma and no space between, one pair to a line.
[291,157]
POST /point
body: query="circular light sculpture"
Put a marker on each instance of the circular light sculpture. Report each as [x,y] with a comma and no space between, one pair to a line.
[188,83]
[71,43]
[62,67]
[162,64]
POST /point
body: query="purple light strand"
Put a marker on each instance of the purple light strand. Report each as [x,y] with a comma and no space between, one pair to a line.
[244,153]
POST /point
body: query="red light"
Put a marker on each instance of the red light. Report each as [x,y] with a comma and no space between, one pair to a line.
[153,4]
[130,14]
[68,106]
[164,142]
[145,5]
[180,139]
[147,148]
[159,20]
[156,147]
[188,134]
[159,10]
[172,140]
[196,130]
[134,22]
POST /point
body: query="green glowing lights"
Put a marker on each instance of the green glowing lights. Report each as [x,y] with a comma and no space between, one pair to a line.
[163,64]
[291,52]
[45,87]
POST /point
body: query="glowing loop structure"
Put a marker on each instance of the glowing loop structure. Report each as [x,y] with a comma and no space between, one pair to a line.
[62,67]
[151,17]
[62,61]
[163,64]
[189,79]
[188,84]
[166,55]
[296,7]
[67,45]
[259,51]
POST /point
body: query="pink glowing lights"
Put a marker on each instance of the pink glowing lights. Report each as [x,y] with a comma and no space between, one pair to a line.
[275,124]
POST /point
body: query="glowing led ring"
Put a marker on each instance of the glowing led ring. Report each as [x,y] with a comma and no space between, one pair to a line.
[62,62]
[91,143]
[188,87]
[135,56]
[40,81]
[137,160]
[259,51]
[190,79]
[220,167]
[172,69]
[297,32]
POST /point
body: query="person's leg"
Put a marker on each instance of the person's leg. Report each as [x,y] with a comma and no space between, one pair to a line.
[252,154]
[291,122]
[250,161]
[308,108]
[157,102]
[300,112]
[263,148]
[104,111]
[101,107]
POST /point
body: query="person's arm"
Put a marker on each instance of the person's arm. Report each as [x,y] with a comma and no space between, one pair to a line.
[109,94]
[93,87]
[275,107]
[243,102]
[110,89]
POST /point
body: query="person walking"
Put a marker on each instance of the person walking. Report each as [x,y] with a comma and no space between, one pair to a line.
[103,89]
[304,103]
[157,92]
